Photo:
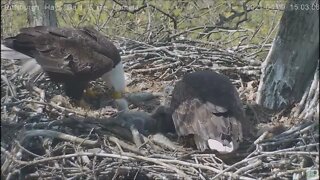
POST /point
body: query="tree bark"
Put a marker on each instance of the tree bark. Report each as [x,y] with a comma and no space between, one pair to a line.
[292,60]
[41,12]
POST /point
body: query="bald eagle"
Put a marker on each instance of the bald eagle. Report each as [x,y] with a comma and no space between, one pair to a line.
[206,105]
[72,57]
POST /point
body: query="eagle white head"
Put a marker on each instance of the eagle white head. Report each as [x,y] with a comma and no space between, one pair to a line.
[116,79]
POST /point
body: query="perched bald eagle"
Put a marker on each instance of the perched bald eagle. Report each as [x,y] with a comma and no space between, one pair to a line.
[206,105]
[72,57]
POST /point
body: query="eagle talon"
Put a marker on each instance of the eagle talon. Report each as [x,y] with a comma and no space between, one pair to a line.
[83,104]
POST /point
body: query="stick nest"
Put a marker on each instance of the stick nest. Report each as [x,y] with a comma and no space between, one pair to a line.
[45,136]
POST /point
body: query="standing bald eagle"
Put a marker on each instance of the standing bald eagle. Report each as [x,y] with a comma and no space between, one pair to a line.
[206,105]
[72,57]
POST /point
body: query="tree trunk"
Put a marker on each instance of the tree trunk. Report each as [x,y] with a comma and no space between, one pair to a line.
[292,60]
[41,12]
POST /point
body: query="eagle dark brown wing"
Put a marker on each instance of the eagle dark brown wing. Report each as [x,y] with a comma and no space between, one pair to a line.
[207,121]
[208,106]
[82,53]
[67,55]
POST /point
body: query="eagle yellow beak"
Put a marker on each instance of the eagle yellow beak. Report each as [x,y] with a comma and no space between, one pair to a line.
[117,95]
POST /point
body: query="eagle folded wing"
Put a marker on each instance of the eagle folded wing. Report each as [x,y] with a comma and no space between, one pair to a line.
[72,52]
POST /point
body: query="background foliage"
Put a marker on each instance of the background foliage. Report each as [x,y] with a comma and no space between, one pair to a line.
[225,23]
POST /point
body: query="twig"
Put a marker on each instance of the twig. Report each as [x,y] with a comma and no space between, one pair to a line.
[59,135]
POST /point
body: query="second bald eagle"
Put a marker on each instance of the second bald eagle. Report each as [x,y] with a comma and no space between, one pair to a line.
[72,57]
[206,105]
